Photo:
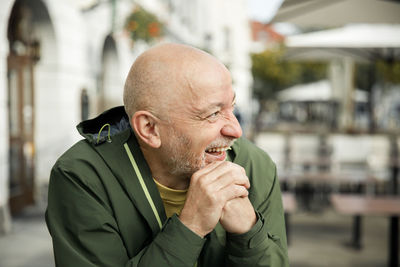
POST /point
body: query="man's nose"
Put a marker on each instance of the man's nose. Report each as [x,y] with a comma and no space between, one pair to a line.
[232,127]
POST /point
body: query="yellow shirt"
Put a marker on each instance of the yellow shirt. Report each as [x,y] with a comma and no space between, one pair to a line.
[173,199]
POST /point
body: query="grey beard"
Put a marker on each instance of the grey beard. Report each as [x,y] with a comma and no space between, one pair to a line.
[184,164]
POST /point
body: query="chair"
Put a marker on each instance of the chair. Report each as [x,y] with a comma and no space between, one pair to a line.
[275,145]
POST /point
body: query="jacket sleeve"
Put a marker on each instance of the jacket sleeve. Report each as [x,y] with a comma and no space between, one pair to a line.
[85,232]
[265,244]
[175,245]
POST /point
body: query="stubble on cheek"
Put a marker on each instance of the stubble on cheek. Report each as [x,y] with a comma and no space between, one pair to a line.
[182,160]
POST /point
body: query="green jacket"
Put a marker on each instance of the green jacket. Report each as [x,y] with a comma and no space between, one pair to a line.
[103,212]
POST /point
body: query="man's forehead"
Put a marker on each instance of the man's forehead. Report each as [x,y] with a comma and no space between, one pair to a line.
[216,100]
[198,80]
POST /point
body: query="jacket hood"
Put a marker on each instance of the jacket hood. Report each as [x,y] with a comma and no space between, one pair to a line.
[105,126]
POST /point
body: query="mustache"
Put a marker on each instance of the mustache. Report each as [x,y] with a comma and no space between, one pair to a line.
[223,142]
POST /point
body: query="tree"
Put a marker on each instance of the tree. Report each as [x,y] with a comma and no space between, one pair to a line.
[389,71]
[272,73]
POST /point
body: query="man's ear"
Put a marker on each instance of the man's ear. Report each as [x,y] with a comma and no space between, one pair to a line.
[146,128]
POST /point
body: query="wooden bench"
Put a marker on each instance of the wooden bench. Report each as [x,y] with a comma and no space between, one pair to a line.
[359,205]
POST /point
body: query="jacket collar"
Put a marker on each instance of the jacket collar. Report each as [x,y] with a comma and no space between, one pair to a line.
[116,157]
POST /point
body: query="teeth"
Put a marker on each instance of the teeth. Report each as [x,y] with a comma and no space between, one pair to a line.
[218,149]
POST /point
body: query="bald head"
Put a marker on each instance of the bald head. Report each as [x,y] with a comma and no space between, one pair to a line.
[165,73]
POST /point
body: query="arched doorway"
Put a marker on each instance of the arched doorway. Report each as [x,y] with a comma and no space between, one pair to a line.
[110,87]
[24,53]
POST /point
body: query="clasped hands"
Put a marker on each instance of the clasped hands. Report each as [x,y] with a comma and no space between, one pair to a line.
[218,193]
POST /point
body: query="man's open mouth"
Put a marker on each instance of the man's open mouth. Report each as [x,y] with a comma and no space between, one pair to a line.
[217,150]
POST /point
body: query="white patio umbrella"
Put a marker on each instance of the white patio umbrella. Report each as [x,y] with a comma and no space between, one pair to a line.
[328,13]
[341,47]
[359,41]
[315,91]
[326,54]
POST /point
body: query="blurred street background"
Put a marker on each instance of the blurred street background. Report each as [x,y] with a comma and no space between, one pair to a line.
[317,85]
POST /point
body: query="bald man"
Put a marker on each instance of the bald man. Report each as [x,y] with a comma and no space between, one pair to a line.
[167,180]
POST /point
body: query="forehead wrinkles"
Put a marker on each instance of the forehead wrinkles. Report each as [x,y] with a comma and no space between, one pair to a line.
[204,77]
[189,87]
[183,95]
[190,78]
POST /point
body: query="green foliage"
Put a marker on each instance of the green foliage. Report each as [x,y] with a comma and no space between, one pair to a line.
[389,71]
[364,76]
[380,71]
[143,25]
[272,73]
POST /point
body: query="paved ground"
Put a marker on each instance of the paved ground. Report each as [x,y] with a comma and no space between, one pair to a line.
[318,239]
[28,244]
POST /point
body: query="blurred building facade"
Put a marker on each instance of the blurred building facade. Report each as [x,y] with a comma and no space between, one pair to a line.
[264,36]
[50,51]
[63,61]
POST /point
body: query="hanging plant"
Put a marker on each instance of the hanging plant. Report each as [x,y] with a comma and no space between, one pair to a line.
[143,25]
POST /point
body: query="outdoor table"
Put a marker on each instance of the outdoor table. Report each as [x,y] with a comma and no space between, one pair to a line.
[331,177]
[321,163]
[373,205]
[320,184]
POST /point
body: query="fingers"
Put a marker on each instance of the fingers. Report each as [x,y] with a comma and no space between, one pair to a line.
[221,174]
[210,188]
[234,191]
[208,168]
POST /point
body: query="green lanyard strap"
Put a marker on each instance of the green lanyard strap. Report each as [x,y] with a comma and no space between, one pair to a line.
[141,181]
[144,187]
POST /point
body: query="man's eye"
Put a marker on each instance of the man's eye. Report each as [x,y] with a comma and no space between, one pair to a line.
[213,116]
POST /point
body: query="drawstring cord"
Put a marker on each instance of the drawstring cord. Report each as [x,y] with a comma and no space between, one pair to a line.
[108,135]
